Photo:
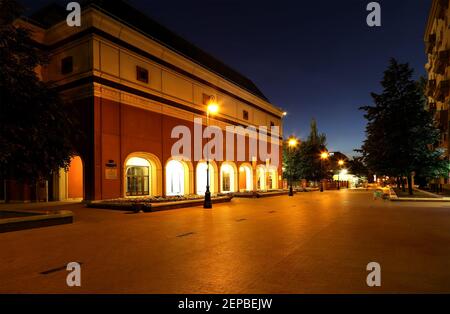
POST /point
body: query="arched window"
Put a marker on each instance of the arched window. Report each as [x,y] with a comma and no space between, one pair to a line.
[260,178]
[227,175]
[138,175]
[174,178]
[201,178]
[245,178]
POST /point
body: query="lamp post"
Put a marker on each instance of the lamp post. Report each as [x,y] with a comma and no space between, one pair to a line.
[292,143]
[340,163]
[323,156]
[212,108]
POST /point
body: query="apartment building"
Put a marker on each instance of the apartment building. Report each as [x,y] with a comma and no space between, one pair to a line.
[437,43]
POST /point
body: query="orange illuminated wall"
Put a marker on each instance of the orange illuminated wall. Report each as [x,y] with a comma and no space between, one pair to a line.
[75,178]
[242,180]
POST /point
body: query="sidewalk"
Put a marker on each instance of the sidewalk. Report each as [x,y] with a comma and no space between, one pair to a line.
[433,198]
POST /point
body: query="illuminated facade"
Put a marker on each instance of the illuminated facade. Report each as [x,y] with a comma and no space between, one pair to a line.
[133,81]
[437,39]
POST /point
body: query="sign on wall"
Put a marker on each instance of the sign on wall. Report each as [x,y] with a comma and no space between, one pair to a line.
[111,170]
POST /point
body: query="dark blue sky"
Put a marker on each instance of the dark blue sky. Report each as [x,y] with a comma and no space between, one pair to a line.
[314,58]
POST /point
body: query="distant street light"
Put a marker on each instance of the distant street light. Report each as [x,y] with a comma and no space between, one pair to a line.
[340,163]
[323,156]
[211,108]
[292,143]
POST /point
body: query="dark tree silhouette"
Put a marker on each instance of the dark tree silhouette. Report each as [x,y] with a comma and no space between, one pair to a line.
[309,164]
[400,131]
[36,127]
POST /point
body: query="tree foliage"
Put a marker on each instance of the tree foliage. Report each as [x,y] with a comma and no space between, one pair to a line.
[36,127]
[304,162]
[357,167]
[400,131]
[290,162]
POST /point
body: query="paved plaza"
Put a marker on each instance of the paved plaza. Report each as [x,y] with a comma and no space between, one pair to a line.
[310,243]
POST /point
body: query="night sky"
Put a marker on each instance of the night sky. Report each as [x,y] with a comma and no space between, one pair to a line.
[312,58]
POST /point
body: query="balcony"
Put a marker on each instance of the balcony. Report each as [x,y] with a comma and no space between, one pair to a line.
[442,90]
[431,87]
[441,61]
[431,43]
[442,8]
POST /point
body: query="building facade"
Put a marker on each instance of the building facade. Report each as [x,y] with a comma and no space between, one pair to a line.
[132,82]
[437,43]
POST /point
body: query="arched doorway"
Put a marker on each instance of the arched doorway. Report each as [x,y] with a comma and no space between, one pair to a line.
[68,184]
[179,177]
[272,178]
[138,174]
[228,177]
[142,175]
[201,177]
[174,178]
[245,178]
[75,179]
[261,178]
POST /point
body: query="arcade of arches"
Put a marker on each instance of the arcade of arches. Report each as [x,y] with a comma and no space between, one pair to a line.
[143,174]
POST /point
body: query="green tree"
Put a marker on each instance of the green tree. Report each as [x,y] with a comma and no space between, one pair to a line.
[400,130]
[309,165]
[290,162]
[357,167]
[36,127]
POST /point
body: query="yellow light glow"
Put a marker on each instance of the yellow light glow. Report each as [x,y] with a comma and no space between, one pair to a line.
[241,169]
[292,142]
[284,114]
[341,162]
[212,108]
[324,155]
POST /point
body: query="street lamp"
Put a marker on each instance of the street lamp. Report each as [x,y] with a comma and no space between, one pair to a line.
[292,143]
[340,163]
[212,108]
[323,156]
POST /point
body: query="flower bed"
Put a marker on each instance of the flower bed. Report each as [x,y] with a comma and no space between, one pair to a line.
[150,203]
[153,199]
[258,194]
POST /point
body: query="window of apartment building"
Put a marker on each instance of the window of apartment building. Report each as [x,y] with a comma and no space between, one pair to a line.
[67,65]
[245,114]
[141,74]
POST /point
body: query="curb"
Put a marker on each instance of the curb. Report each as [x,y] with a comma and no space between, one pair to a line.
[410,199]
[261,195]
[36,220]
[394,198]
